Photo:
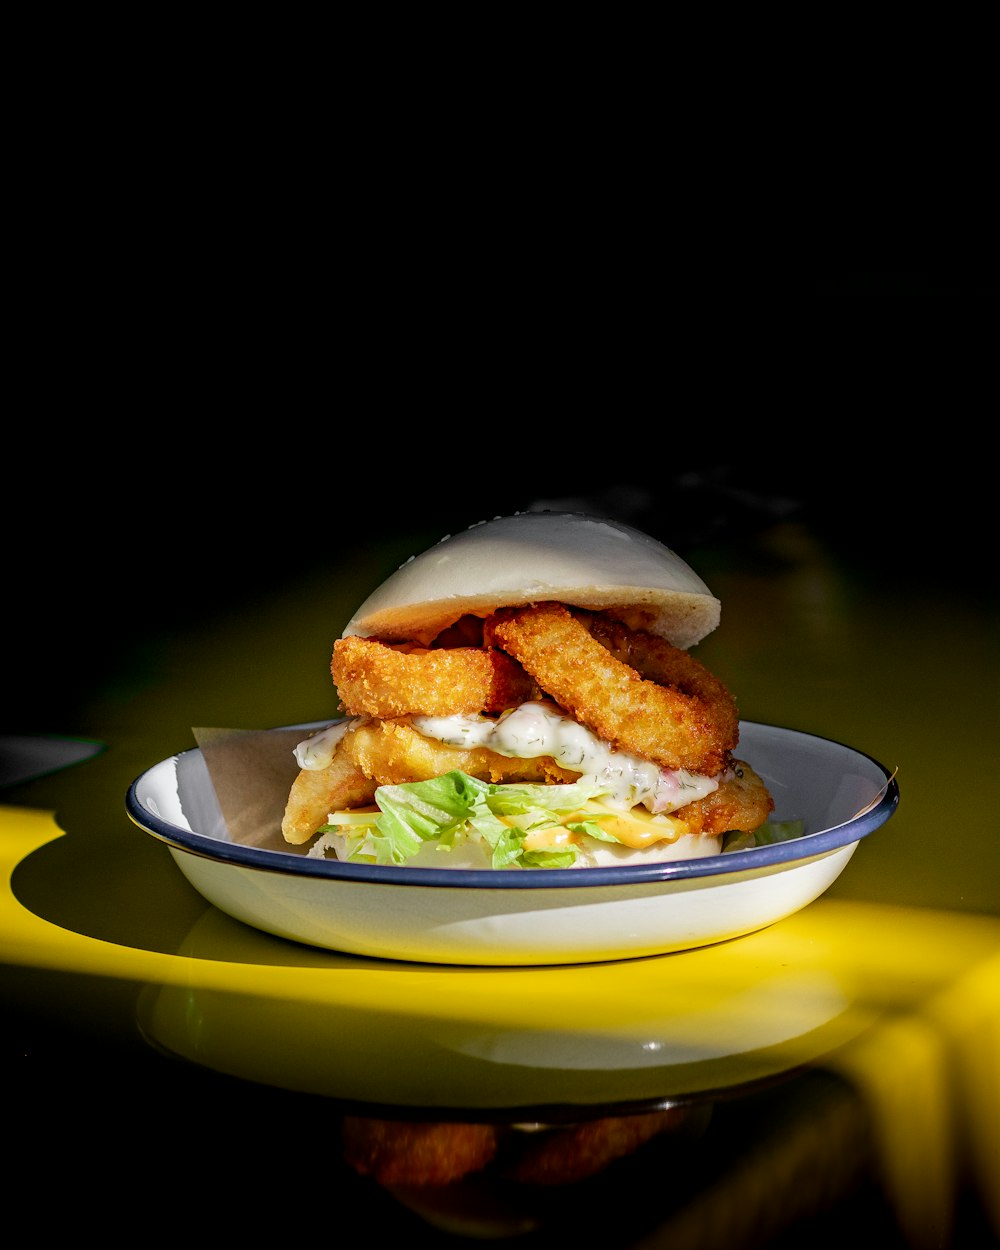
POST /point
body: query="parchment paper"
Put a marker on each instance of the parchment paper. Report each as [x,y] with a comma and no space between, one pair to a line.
[252,772]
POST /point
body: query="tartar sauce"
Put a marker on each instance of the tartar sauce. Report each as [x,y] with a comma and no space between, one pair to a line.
[535,729]
[316,753]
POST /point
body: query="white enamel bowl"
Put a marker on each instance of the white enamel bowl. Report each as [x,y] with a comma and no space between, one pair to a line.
[531,917]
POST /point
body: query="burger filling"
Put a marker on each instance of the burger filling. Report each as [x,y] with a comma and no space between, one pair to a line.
[619,804]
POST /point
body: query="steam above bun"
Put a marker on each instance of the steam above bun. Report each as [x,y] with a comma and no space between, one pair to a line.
[531,557]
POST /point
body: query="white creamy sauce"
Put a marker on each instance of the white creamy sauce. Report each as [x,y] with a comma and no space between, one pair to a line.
[316,753]
[536,729]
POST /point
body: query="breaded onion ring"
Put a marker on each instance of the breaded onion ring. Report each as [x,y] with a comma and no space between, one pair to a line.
[657,660]
[384,680]
[680,717]
[392,752]
[742,802]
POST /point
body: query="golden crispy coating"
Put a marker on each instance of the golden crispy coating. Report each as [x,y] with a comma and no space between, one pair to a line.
[680,716]
[741,802]
[391,752]
[317,792]
[631,688]
[382,679]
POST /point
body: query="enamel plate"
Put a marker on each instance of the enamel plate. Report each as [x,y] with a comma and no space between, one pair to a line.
[527,917]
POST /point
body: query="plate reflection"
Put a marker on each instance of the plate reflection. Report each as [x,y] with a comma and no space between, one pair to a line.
[473,1039]
[733,1094]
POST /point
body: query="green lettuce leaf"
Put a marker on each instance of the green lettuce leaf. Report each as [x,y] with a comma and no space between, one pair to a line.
[454,806]
[770,832]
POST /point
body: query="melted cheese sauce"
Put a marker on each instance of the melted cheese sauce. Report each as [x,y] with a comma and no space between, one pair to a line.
[636,828]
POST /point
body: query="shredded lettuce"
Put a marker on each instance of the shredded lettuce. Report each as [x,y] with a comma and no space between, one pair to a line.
[772,831]
[453,807]
[456,810]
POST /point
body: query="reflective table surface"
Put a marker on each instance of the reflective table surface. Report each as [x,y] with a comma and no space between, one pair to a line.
[832,1076]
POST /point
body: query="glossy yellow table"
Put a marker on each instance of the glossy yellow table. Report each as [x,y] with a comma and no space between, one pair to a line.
[835,1075]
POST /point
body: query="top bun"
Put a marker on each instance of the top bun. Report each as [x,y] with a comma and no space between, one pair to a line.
[531,557]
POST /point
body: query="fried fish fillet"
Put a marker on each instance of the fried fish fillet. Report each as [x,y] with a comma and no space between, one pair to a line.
[376,753]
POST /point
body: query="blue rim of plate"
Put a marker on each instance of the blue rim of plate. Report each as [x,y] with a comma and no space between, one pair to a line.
[795,850]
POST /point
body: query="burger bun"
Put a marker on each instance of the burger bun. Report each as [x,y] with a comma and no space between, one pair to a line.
[532,557]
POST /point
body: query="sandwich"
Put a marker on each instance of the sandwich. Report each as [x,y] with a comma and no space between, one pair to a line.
[522,695]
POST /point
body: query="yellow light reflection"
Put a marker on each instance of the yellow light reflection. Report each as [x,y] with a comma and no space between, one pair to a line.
[931,1081]
[968,1014]
[902,1004]
[903,1072]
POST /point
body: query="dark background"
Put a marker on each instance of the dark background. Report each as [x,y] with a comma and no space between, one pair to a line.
[244,336]
[205,434]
